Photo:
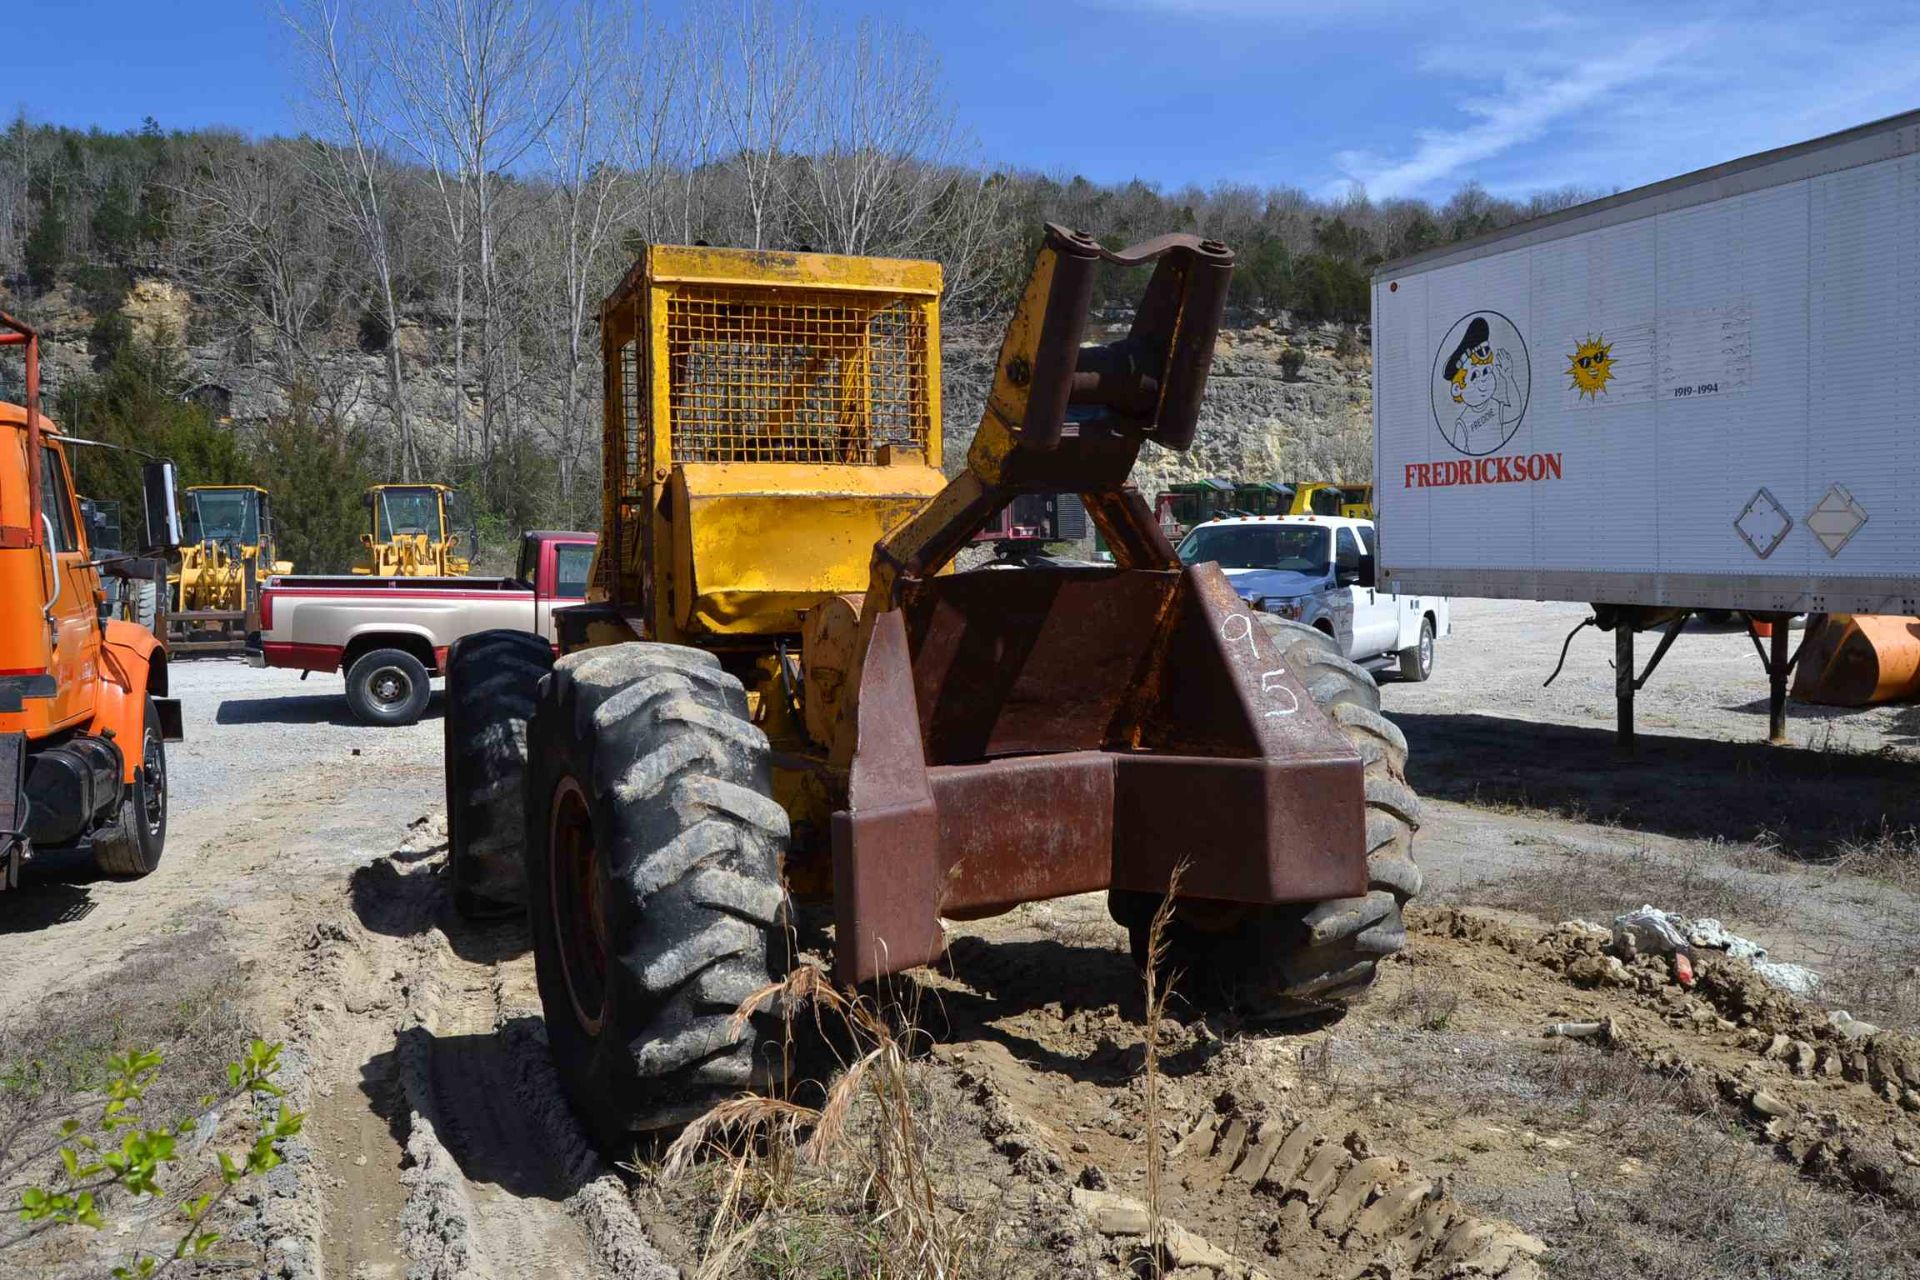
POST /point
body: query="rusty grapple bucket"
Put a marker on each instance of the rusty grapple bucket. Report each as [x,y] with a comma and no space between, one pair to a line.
[1020,734]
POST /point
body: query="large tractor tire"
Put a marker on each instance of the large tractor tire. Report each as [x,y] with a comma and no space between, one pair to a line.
[134,846]
[142,606]
[1310,957]
[493,678]
[654,848]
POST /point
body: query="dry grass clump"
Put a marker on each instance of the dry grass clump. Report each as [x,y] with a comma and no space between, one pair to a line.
[178,997]
[1667,1183]
[1597,883]
[1706,1203]
[841,1185]
[1888,854]
[1428,1002]
[1158,989]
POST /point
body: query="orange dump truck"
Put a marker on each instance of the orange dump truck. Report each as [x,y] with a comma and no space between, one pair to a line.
[84,712]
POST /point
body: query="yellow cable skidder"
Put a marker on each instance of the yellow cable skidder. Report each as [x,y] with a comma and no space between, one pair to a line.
[779,691]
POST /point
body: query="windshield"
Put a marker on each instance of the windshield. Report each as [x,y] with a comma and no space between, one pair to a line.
[103,524]
[1297,548]
[223,515]
[408,511]
[460,521]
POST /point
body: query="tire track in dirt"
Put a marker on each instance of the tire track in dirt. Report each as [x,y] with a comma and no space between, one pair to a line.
[1041,1035]
[444,1149]
[432,1064]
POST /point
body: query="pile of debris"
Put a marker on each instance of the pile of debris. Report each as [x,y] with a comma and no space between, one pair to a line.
[1651,931]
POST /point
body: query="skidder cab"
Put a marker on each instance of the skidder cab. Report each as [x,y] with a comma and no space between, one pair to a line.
[780,688]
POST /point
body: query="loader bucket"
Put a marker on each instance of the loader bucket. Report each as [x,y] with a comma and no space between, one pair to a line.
[1029,734]
[1857,660]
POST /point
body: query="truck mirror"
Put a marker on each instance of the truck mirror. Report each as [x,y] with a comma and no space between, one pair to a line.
[1366,571]
[158,490]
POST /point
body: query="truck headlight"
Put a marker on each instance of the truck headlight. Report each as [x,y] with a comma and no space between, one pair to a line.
[1279,608]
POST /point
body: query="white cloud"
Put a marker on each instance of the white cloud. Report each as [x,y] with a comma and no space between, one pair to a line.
[1530,101]
[1321,14]
[1615,101]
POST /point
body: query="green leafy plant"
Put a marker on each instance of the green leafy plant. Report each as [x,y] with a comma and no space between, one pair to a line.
[105,1152]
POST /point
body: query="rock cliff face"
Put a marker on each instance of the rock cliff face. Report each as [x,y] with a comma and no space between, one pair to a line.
[237,367]
[1258,423]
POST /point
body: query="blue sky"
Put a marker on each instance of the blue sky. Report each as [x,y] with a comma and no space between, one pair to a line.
[1405,99]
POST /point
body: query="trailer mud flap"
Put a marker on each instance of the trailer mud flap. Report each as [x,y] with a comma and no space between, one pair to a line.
[13,804]
[172,726]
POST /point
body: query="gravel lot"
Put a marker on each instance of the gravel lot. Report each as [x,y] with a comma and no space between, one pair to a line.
[1527,789]
[305,870]
[1710,685]
[248,727]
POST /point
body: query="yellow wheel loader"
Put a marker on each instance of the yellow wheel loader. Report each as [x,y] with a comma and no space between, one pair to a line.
[1324,499]
[417,531]
[227,557]
[779,691]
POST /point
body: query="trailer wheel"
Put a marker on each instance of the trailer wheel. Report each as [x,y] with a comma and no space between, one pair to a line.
[654,849]
[1308,957]
[134,847]
[493,679]
[388,687]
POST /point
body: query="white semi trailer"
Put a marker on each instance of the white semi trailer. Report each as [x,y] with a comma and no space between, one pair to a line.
[1700,394]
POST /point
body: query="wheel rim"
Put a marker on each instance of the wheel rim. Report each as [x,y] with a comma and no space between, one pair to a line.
[1426,648]
[389,686]
[574,901]
[153,798]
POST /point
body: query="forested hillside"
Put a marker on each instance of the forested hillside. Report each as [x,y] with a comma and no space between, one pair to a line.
[409,288]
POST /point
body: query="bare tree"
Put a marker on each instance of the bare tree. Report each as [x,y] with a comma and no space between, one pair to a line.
[255,243]
[888,169]
[356,175]
[882,139]
[593,201]
[13,189]
[474,83]
[414,126]
[669,120]
[763,76]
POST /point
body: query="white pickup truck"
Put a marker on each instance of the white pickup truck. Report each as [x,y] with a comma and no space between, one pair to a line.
[1320,570]
[390,635]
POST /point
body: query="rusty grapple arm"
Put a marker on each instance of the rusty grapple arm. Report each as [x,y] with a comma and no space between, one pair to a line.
[1014,735]
[1068,418]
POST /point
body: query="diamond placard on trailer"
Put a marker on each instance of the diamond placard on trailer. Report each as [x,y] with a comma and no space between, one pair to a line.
[1762,523]
[1835,519]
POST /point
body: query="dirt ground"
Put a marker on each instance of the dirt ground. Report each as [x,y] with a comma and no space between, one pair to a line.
[1721,1130]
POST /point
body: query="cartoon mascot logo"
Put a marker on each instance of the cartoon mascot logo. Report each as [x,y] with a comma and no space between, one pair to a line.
[1481,380]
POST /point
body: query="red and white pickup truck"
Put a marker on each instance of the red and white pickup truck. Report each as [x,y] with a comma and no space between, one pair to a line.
[390,635]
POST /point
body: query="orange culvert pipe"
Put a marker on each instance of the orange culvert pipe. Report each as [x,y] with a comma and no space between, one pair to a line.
[1859,659]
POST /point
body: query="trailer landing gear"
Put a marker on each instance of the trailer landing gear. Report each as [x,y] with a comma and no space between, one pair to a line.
[1623,621]
[1773,657]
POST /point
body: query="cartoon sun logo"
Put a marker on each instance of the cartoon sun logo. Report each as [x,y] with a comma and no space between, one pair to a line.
[1591,366]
